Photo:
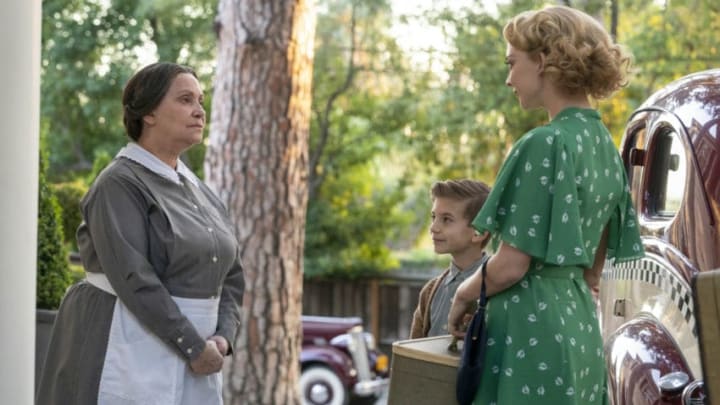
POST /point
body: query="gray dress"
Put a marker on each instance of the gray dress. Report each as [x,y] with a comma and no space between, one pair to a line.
[155,238]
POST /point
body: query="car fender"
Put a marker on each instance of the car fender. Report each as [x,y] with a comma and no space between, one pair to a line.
[639,353]
[336,360]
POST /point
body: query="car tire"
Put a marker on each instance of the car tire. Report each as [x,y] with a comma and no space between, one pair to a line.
[321,386]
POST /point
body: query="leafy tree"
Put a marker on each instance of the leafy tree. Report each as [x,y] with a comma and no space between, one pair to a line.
[362,100]
[90,48]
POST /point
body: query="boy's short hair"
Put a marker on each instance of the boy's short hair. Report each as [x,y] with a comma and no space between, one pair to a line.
[472,191]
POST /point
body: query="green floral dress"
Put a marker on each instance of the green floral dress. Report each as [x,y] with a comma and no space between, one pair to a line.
[558,188]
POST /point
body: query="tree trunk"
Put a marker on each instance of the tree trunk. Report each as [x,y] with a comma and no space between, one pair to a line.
[257,161]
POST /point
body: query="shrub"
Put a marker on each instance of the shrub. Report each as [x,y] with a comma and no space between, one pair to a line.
[68,196]
[53,271]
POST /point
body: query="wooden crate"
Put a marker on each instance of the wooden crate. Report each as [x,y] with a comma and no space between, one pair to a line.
[423,371]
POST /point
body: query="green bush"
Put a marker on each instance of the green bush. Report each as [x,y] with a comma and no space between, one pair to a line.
[53,271]
[68,196]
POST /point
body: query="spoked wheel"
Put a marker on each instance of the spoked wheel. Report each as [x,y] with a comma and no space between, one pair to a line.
[320,386]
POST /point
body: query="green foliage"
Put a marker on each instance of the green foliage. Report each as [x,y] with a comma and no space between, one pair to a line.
[350,223]
[68,196]
[91,47]
[53,272]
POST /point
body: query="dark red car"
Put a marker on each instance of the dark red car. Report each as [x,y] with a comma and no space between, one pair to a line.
[656,350]
[340,362]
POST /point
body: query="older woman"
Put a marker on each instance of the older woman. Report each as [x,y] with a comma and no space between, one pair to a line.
[159,307]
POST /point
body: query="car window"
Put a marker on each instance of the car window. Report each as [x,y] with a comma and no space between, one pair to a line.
[634,157]
[667,174]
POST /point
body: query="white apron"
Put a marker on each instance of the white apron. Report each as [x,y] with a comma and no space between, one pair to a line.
[140,369]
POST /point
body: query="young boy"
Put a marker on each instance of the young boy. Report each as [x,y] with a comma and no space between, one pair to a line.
[455,204]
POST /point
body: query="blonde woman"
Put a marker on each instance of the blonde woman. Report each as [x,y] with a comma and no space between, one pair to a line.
[560,205]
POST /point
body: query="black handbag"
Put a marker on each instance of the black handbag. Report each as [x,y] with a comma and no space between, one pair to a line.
[473,352]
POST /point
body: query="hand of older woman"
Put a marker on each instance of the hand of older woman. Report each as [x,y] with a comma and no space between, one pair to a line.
[209,361]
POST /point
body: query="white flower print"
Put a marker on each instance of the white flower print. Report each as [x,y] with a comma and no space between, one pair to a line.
[562,321]
[550,236]
[561,175]
[589,328]
[551,189]
[578,180]
[582,326]
[580,116]
[597,139]
[586,173]
[595,174]
[592,187]
[508,340]
[636,247]
[559,381]
[607,172]
[549,140]
[528,166]
[525,390]
[524,284]
[517,182]
[489,220]
[578,251]
[569,198]
[505,304]
[513,208]
[589,222]
[501,211]
[564,156]
[495,369]
[491,342]
[559,338]
[509,372]
[513,230]
[541,391]
[582,349]
[536,219]
[597,198]
[542,366]
[515,298]
[570,392]
[543,180]
[630,223]
[592,398]
[520,354]
[531,232]
[546,163]
[568,310]
[542,306]
[560,259]
[533,342]
[595,388]
[532,318]
[578,138]
[579,148]
[565,217]
[572,341]
[611,196]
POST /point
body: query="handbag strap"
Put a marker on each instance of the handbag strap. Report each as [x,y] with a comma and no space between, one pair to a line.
[482,302]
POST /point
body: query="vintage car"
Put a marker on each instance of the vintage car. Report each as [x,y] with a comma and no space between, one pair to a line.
[340,362]
[657,349]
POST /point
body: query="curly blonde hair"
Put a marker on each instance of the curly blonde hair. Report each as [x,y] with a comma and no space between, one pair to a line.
[579,53]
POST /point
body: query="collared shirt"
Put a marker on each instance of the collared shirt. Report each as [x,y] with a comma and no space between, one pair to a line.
[441,302]
[137,153]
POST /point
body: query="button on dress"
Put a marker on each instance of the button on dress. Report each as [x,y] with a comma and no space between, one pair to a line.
[559,187]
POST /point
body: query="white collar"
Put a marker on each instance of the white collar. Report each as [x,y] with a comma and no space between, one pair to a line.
[138,154]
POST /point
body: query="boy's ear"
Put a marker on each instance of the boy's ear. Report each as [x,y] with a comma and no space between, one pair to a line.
[480,237]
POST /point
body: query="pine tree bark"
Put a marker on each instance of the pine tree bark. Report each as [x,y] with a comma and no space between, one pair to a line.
[257,161]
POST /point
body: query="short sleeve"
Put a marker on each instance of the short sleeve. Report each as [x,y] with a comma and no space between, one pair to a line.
[624,242]
[533,205]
